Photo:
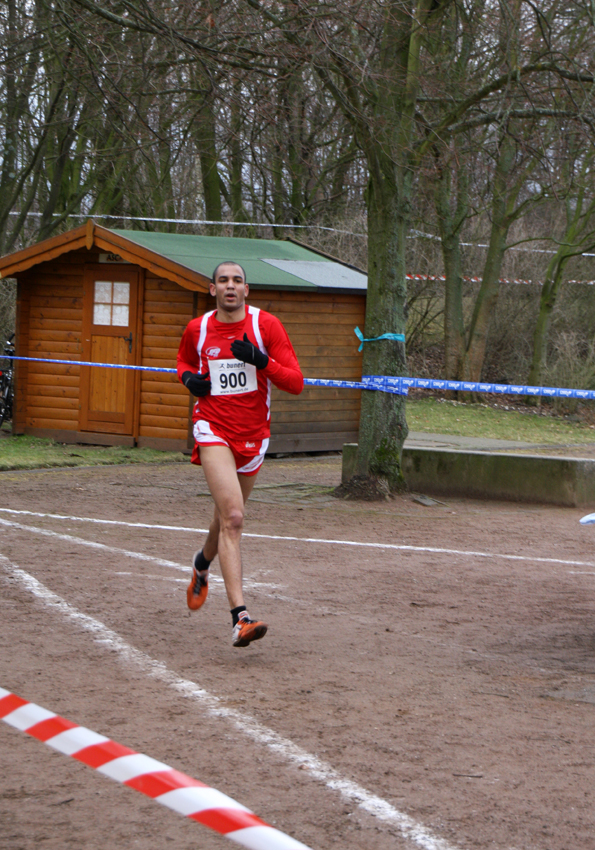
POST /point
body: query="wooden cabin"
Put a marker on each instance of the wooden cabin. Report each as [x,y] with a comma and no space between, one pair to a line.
[122,296]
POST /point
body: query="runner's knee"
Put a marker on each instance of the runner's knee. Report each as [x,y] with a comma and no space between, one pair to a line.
[233,520]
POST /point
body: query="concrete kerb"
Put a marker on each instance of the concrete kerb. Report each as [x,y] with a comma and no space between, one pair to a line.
[486,475]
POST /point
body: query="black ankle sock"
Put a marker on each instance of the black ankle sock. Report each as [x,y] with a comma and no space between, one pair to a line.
[235,613]
[201,563]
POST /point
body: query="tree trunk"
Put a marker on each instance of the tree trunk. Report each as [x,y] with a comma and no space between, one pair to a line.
[549,294]
[388,147]
[449,225]
[383,427]
[578,218]
[204,134]
[236,158]
[502,204]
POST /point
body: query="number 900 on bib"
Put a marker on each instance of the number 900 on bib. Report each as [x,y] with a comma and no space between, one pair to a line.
[232,377]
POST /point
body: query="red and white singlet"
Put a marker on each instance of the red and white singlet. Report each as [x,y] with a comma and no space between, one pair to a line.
[237,411]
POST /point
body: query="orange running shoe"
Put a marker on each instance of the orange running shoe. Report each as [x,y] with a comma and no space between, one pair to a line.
[198,589]
[247,630]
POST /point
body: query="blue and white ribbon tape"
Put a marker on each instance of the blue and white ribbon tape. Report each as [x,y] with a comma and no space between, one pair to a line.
[89,363]
[398,389]
[384,383]
[310,382]
[379,382]
[360,336]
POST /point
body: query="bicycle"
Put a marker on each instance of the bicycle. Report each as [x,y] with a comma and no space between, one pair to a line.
[6,383]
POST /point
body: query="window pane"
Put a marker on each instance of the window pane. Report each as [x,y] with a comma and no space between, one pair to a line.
[103,293]
[121,293]
[102,314]
[120,315]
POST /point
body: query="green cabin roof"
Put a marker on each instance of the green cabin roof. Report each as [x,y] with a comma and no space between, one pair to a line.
[269,263]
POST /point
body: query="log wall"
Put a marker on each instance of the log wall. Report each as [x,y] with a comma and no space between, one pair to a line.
[165,404]
[320,327]
[49,324]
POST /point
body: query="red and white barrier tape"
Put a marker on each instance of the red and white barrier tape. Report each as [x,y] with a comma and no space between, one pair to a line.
[440,278]
[167,786]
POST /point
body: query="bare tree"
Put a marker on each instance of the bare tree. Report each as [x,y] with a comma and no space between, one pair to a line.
[577,236]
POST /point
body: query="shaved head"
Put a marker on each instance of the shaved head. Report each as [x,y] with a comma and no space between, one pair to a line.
[228,263]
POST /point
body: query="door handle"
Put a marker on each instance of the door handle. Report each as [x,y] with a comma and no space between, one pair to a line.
[128,339]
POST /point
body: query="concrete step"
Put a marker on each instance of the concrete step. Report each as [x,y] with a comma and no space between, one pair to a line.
[496,474]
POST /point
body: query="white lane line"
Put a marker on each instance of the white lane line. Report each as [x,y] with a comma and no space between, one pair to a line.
[160,578]
[104,521]
[244,723]
[93,545]
[254,585]
[162,562]
[393,546]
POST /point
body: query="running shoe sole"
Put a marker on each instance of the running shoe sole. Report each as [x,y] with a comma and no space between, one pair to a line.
[249,632]
[196,600]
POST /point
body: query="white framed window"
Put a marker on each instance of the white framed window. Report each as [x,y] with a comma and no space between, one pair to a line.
[111,303]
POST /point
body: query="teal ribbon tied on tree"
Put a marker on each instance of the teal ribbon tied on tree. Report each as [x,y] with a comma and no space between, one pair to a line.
[360,336]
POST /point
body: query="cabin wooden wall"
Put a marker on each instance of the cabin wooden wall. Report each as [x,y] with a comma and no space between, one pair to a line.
[165,404]
[49,324]
[320,326]
[49,320]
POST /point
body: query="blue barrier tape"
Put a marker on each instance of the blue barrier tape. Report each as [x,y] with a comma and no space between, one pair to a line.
[360,336]
[379,382]
[355,385]
[384,383]
[310,382]
[89,363]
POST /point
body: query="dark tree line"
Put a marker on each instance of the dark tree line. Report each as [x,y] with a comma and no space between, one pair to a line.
[463,119]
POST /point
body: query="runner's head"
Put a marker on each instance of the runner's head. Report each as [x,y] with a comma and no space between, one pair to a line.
[229,286]
[228,263]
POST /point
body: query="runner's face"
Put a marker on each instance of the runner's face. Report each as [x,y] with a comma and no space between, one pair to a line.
[230,288]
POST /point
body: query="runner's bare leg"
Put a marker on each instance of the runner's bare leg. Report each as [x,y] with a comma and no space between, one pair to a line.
[230,492]
[211,544]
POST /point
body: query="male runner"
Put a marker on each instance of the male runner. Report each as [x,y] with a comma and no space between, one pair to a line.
[228,359]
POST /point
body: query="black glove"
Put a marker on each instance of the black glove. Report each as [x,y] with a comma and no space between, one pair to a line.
[249,353]
[199,385]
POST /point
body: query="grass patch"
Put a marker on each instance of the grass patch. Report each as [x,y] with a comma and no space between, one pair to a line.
[439,416]
[428,415]
[26,452]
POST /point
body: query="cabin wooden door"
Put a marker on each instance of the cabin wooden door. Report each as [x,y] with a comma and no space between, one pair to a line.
[107,396]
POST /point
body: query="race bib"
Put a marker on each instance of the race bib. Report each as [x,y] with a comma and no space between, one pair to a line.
[232,377]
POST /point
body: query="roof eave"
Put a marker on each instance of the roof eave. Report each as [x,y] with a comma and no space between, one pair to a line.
[92,234]
[150,260]
[49,249]
[305,287]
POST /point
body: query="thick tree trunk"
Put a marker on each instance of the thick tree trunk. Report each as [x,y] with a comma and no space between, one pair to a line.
[383,426]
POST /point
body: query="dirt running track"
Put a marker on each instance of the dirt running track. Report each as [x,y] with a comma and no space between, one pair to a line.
[457,688]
